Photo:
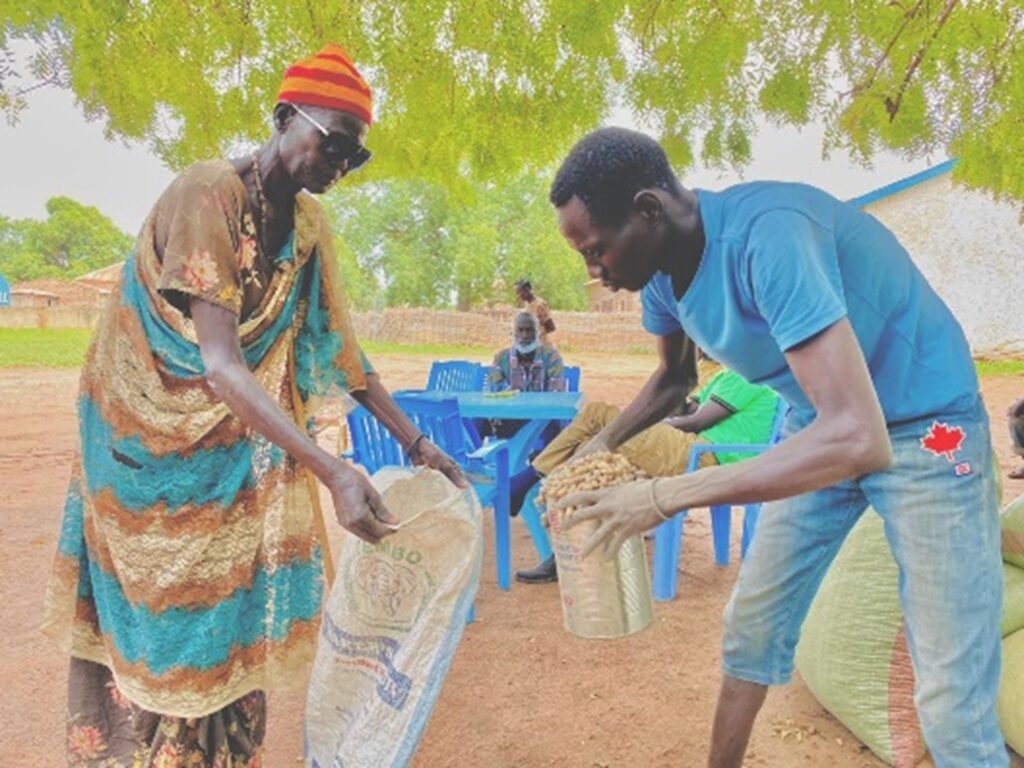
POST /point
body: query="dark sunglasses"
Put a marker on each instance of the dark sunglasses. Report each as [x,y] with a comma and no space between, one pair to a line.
[339,148]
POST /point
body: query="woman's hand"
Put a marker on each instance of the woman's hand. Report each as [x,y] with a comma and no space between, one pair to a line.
[425,454]
[620,512]
[358,506]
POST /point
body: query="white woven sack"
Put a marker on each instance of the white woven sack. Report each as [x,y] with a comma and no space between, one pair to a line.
[392,624]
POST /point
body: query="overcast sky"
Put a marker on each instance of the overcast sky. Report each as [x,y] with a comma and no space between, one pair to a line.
[54,150]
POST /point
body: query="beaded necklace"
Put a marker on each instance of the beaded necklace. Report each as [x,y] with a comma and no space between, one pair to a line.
[251,276]
[261,202]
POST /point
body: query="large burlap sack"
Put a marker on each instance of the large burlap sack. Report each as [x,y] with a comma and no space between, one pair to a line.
[1013,601]
[853,652]
[1010,706]
[391,625]
[1012,524]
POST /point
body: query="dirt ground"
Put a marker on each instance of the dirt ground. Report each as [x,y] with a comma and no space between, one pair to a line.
[522,692]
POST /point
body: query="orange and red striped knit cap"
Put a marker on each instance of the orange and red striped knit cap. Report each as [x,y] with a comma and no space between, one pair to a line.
[328,79]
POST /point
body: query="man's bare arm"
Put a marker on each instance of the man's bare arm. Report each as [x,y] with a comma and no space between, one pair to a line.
[705,417]
[848,437]
[669,385]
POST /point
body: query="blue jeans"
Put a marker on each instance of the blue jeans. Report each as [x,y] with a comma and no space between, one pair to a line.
[942,521]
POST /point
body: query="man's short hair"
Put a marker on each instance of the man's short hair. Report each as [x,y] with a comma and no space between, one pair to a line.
[607,168]
[523,284]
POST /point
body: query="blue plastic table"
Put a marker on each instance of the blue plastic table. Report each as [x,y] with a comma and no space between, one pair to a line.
[537,409]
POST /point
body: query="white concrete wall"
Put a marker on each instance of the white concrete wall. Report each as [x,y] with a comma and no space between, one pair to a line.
[971,249]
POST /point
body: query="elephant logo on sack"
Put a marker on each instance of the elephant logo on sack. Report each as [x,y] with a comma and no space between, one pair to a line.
[386,585]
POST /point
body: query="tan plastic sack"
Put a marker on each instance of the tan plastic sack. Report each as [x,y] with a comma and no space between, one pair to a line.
[392,624]
[853,652]
[1012,523]
[1010,704]
[1013,600]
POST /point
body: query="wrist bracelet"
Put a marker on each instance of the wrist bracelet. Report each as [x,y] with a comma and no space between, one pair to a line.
[408,451]
[654,500]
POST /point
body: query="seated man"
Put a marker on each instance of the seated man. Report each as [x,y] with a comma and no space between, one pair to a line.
[526,366]
[727,410]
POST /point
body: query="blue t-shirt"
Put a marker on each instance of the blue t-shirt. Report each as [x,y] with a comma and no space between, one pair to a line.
[783,262]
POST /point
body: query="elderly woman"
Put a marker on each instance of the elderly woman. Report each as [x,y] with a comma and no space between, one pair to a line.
[188,579]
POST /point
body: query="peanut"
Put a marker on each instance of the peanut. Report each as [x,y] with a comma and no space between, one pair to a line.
[593,472]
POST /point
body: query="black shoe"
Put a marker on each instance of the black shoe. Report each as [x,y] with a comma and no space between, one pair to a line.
[544,573]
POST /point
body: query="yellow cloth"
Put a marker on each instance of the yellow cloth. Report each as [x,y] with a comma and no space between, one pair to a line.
[660,451]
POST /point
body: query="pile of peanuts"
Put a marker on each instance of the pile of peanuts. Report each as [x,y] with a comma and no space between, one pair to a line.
[589,473]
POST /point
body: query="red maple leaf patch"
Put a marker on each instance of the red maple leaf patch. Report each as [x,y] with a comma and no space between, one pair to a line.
[943,440]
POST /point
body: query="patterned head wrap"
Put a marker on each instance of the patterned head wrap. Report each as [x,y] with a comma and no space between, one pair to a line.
[328,79]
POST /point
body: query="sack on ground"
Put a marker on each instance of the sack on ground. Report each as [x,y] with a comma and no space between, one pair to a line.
[1012,523]
[853,652]
[1010,705]
[392,624]
[1013,601]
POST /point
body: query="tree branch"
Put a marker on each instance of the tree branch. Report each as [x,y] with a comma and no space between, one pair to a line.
[893,106]
[864,85]
[53,79]
[646,32]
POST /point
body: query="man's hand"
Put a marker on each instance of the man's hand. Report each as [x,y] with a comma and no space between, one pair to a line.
[426,454]
[596,444]
[620,512]
[358,506]
[682,423]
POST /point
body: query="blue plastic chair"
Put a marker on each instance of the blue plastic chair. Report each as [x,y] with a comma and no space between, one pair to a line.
[371,444]
[668,537]
[572,378]
[459,376]
[456,376]
[487,466]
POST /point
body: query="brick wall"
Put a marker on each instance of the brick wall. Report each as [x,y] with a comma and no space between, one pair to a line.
[583,331]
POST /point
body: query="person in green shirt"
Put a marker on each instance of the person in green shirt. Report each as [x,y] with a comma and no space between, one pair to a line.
[711,413]
[727,411]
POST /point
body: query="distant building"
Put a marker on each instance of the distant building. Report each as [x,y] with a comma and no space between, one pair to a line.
[600,299]
[970,248]
[68,293]
[103,279]
[30,297]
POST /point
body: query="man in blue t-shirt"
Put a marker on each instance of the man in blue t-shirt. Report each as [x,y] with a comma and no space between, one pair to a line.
[792,288]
